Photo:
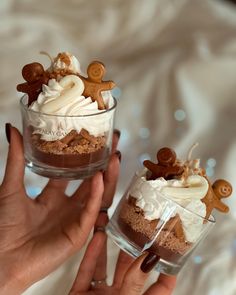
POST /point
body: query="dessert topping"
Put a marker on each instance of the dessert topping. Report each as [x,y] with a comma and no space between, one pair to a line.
[167,165]
[220,189]
[62,66]
[35,77]
[94,84]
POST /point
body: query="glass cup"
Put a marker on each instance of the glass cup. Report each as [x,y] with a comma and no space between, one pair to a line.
[72,147]
[173,236]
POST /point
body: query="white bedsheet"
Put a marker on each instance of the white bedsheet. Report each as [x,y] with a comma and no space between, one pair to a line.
[165,56]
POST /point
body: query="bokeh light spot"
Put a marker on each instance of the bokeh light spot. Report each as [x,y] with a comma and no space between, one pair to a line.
[180,115]
[211,162]
[197,259]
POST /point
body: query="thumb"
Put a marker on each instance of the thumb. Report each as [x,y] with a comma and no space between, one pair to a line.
[137,274]
[15,166]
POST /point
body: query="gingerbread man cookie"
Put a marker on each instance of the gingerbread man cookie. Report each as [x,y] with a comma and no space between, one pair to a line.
[166,166]
[35,77]
[94,85]
[219,190]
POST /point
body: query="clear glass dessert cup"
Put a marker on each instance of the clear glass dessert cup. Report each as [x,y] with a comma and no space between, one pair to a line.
[72,147]
[173,236]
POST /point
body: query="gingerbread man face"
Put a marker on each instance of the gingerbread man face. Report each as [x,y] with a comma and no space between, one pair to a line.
[32,72]
[166,166]
[222,188]
[166,157]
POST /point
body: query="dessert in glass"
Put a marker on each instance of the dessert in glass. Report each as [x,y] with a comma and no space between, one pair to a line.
[67,118]
[167,210]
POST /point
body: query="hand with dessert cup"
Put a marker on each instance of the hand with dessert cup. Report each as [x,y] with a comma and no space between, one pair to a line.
[130,275]
[129,278]
[36,236]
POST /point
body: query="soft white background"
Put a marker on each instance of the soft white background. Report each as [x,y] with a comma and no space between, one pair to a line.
[165,56]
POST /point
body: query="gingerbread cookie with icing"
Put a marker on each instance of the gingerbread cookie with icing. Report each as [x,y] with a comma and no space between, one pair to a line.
[218,190]
[166,167]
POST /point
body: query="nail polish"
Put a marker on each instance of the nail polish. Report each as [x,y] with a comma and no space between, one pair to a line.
[149,262]
[118,153]
[117,132]
[8,132]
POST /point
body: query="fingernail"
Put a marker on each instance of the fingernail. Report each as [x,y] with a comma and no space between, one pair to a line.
[149,262]
[8,132]
[117,132]
[118,153]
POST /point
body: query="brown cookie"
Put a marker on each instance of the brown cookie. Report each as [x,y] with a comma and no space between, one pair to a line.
[94,85]
[166,167]
[219,190]
[35,77]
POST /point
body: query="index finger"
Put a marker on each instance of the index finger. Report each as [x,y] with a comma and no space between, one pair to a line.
[15,167]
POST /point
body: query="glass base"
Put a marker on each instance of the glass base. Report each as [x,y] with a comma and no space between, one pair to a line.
[130,248]
[66,173]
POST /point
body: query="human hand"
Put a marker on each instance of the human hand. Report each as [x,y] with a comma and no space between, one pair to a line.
[129,278]
[36,236]
[130,275]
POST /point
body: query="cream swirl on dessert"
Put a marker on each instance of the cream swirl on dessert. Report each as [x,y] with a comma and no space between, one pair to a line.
[64,100]
[187,193]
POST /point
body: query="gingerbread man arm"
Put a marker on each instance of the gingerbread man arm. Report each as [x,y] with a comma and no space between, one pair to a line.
[221,206]
[107,85]
[150,166]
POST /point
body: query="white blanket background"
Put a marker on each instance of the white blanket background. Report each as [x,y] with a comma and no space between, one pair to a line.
[174,62]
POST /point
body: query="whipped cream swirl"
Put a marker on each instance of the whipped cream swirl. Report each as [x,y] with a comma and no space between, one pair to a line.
[153,195]
[64,100]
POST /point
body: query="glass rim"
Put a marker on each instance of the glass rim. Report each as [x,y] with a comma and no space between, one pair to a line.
[211,219]
[25,107]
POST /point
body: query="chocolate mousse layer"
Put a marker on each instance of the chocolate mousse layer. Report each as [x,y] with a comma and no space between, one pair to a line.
[141,231]
[73,150]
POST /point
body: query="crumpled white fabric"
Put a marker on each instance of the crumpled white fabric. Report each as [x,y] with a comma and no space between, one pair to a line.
[164,55]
